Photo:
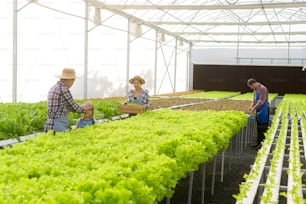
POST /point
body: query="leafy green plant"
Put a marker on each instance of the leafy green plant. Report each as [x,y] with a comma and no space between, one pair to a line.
[137,160]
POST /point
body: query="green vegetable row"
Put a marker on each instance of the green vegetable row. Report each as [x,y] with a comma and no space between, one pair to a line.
[250,95]
[212,94]
[136,160]
[19,119]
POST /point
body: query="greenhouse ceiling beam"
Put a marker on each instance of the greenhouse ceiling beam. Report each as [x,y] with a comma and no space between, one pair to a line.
[101,5]
[248,41]
[227,23]
[245,34]
[201,7]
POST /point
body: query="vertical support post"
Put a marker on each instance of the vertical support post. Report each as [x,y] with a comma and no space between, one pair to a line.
[15,47]
[175,66]
[128,58]
[203,184]
[85,51]
[222,166]
[190,188]
[155,61]
[190,70]
[212,192]
[238,41]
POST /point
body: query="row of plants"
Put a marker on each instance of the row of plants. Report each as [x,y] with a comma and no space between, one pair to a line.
[291,110]
[248,190]
[250,95]
[271,187]
[19,119]
[220,105]
[294,192]
[26,118]
[136,160]
[212,94]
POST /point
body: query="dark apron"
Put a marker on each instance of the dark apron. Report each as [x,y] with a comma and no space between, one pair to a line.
[262,113]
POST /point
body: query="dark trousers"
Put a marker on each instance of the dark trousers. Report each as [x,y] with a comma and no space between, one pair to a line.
[261,129]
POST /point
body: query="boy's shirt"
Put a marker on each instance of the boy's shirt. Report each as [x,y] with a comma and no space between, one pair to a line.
[82,123]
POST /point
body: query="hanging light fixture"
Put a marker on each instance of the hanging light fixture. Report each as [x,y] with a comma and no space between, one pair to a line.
[97,17]
[162,37]
[136,29]
[33,1]
[180,43]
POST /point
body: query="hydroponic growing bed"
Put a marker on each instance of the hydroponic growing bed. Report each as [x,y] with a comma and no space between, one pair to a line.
[278,172]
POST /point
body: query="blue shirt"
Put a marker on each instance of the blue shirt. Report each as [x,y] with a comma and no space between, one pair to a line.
[82,123]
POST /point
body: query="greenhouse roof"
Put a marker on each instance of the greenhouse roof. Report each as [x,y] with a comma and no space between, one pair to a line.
[218,22]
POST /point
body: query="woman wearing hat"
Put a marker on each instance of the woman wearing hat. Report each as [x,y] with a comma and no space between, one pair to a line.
[138,95]
[60,102]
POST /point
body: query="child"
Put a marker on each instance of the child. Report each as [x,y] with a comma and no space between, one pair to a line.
[87,118]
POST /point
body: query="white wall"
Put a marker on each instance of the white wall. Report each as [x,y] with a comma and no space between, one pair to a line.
[48,41]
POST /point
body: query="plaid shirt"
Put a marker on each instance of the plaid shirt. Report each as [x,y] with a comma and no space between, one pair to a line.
[60,101]
[263,95]
[143,97]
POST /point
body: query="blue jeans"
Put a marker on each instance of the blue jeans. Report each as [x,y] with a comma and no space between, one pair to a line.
[60,124]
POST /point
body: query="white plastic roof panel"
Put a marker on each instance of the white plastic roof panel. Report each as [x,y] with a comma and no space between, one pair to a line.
[265,22]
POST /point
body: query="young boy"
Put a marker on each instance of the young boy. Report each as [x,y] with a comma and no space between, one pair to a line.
[87,118]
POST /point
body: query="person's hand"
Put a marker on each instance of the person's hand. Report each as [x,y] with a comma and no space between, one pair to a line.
[250,110]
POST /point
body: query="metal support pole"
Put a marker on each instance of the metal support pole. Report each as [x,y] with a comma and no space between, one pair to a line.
[212,192]
[222,167]
[128,58]
[175,66]
[85,51]
[203,184]
[237,145]
[14,73]
[190,187]
[190,70]
[155,62]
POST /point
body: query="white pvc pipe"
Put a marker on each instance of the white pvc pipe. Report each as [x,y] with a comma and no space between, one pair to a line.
[303,137]
[291,173]
[279,167]
[255,183]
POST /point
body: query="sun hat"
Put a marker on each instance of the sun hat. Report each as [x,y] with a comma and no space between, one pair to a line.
[67,73]
[138,78]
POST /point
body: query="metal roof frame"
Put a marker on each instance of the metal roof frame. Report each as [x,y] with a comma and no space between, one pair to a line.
[277,22]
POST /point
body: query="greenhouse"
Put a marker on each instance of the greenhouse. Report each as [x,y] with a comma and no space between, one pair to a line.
[156,102]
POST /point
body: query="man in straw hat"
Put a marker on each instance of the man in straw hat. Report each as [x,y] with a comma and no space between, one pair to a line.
[60,101]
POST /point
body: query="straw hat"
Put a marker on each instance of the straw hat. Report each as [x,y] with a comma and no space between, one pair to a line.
[138,78]
[67,73]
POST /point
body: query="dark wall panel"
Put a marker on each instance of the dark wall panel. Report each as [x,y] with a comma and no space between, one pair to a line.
[278,79]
